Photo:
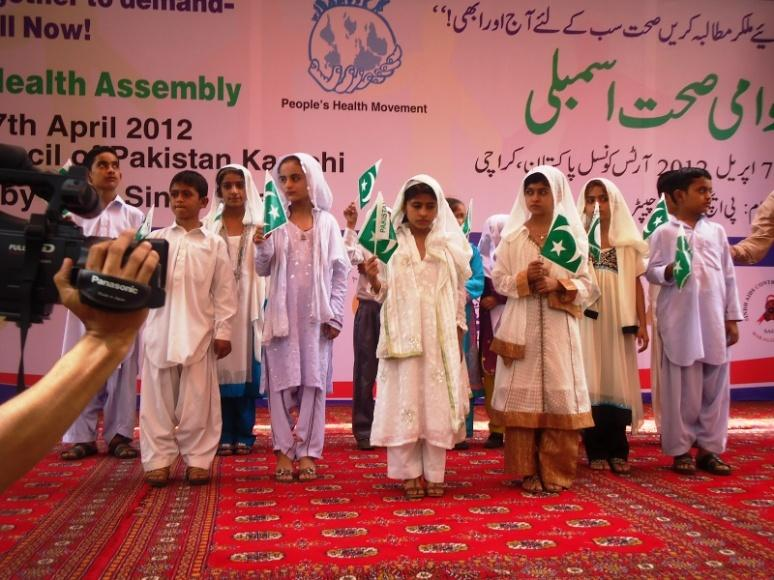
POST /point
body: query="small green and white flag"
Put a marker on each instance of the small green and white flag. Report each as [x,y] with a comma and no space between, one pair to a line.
[378,234]
[146,226]
[467,225]
[218,212]
[560,247]
[658,217]
[65,169]
[273,210]
[595,236]
[365,185]
[683,256]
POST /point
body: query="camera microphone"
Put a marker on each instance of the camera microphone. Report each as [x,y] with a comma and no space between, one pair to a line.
[76,195]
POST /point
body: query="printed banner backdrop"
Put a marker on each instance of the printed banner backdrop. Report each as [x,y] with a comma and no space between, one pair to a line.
[473,93]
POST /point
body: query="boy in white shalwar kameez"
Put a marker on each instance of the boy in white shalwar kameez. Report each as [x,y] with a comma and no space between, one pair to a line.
[180,402]
[697,324]
[118,399]
[422,394]
[234,218]
[540,388]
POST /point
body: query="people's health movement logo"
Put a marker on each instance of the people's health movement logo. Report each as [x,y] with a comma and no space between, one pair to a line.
[351,45]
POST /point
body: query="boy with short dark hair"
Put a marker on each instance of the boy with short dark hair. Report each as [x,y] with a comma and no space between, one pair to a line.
[696,324]
[180,402]
[118,398]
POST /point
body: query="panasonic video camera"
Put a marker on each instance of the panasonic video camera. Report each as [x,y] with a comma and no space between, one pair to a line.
[31,252]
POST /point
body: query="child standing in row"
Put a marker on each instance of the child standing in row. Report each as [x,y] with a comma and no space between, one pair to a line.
[180,402]
[610,327]
[473,289]
[308,265]
[365,337]
[697,324]
[491,308]
[234,219]
[540,388]
[422,397]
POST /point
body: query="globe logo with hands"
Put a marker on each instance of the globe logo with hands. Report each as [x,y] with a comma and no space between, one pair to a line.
[351,45]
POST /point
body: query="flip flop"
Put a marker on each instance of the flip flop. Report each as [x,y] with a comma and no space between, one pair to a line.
[598,465]
[242,449]
[435,489]
[532,484]
[413,489]
[283,475]
[79,451]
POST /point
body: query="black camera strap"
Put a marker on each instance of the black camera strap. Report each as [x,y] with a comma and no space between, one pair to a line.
[34,235]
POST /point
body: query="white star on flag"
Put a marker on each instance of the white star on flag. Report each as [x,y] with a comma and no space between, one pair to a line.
[274,213]
[557,248]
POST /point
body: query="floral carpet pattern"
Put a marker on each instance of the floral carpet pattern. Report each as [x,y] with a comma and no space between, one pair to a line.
[95,517]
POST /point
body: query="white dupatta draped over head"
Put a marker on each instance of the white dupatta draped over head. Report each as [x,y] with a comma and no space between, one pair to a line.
[491,235]
[253,216]
[510,254]
[630,249]
[445,243]
[327,248]
[253,203]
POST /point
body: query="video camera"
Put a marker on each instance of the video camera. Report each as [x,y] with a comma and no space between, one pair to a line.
[31,252]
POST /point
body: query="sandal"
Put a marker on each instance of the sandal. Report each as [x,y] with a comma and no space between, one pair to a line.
[619,466]
[283,475]
[413,489]
[79,451]
[307,474]
[157,477]
[242,449]
[684,464]
[435,489]
[711,463]
[120,448]
[197,475]
[598,465]
[225,449]
[532,484]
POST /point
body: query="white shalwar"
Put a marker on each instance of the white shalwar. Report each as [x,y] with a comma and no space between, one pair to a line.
[180,402]
[118,398]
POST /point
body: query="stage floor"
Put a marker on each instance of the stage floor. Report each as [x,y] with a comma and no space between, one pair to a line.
[95,517]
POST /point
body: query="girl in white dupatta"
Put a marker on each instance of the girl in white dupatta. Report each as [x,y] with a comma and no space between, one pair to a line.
[540,391]
[308,264]
[422,393]
[237,211]
[611,325]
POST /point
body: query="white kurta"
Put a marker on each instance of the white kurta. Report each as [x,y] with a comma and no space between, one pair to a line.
[246,326]
[118,399]
[423,397]
[201,298]
[180,403]
[610,356]
[545,386]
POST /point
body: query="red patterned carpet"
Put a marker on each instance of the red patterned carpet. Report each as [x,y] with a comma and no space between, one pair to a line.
[95,518]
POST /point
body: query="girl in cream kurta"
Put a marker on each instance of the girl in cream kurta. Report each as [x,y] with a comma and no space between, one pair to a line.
[422,398]
[540,388]
[611,328]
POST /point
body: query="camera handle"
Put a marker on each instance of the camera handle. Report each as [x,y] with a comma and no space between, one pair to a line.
[34,235]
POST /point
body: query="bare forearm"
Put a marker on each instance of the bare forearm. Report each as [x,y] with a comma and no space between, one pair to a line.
[640,302]
[34,421]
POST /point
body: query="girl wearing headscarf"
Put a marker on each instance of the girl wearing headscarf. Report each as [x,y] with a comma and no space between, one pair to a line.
[491,308]
[237,210]
[540,393]
[611,325]
[422,395]
[308,265]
